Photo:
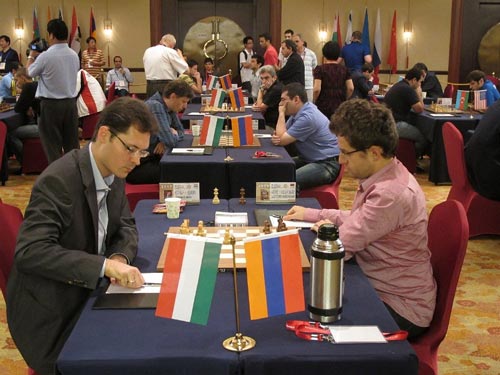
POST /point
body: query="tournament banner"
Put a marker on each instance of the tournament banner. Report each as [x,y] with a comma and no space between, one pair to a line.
[462,101]
[211,130]
[274,274]
[217,98]
[480,99]
[225,82]
[189,276]
[211,82]
[236,97]
[242,130]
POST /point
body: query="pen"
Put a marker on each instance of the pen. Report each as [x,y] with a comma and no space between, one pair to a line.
[151,284]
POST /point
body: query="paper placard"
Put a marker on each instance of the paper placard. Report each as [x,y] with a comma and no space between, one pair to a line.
[275,192]
[238,219]
[356,334]
[188,191]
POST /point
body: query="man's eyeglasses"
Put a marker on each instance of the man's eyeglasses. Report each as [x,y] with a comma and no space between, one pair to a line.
[342,152]
[132,150]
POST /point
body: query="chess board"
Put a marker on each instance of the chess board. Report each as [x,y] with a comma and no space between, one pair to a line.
[226,256]
[4,107]
[226,141]
[438,108]
[208,109]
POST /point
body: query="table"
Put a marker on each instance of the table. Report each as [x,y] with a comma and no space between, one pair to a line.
[136,342]
[13,120]
[431,127]
[196,107]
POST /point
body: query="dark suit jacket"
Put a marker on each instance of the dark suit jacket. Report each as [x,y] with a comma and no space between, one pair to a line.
[293,71]
[56,263]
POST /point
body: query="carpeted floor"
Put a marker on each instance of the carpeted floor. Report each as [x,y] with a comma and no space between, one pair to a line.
[472,345]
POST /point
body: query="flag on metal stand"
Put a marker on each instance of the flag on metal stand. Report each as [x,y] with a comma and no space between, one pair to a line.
[348,34]
[366,32]
[211,130]
[212,82]
[236,97]
[36,27]
[75,35]
[377,48]
[92,29]
[480,99]
[217,98]
[242,130]
[462,100]
[392,59]
[336,36]
[225,82]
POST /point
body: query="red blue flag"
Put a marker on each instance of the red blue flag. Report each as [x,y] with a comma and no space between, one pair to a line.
[242,130]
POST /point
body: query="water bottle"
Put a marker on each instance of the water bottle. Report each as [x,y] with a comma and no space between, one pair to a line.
[327,273]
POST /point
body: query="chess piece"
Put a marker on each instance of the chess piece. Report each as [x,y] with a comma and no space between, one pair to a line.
[227,237]
[267,227]
[185,227]
[216,199]
[242,196]
[281,225]
[201,230]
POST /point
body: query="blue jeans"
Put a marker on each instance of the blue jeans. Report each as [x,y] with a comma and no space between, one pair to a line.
[316,173]
[15,139]
[411,132]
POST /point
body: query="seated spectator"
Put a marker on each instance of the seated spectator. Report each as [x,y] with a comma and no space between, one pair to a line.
[363,84]
[386,229]
[165,108]
[121,76]
[192,76]
[7,83]
[430,84]
[256,62]
[269,96]
[477,81]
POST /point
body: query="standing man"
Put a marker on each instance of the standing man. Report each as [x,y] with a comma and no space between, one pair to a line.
[310,62]
[6,53]
[256,62]
[477,81]
[162,64]
[317,148]
[93,59]
[269,96]
[281,59]
[355,54]
[165,108]
[270,54]
[57,69]
[245,65]
[293,71]
[77,229]
[386,229]
[121,76]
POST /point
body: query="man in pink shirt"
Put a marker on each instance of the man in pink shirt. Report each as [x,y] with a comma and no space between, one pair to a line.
[271,55]
[386,230]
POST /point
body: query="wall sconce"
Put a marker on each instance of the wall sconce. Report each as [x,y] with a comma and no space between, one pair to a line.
[19,27]
[407,31]
[322,31]
[108,28]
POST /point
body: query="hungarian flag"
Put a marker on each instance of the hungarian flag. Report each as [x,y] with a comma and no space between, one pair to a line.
[75,35]
[365,39]
[211,82]
[480,99]
[189,276]
[462,101]
[377,46]
[392,59]
[274,274]
[242,130]
[236,97]
[336,37]
[211,130]
[225,82]
[36,28]
[348,34]
[92,30]
[217,98]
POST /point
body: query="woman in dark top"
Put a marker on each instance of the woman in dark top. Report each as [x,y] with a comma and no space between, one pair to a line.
[332,81]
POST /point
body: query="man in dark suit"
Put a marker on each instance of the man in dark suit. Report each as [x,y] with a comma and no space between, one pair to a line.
[293,70]
[78,229]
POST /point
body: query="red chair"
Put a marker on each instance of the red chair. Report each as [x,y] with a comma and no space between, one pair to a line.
[449,91]
[10,221]
[483,214]
[34,158]
[327,195]
[405,152]
[135,193]
[447,257]
[111,93]
[88,125]
[3,161]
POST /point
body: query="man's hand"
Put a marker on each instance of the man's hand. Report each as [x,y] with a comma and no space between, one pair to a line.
[275,139]
[316,226]
[123,274]
[159,149]
[295,213]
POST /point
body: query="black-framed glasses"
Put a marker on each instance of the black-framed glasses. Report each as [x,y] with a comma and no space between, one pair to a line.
[351,152]
[132,150]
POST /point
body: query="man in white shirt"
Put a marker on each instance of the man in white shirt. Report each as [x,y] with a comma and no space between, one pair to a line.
[245,64]
[162,63]
[121,76]
[310,62]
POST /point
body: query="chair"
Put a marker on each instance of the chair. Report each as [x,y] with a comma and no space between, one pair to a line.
[111,93]
[3,161]
[447,256]
[449,91]
[10,221]
[405,152]
[88,125]
[327,195]
[483,214]
[34,158]
[135,193]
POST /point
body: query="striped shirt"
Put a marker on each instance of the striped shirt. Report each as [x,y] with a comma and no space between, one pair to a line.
[310,62]
[90,58]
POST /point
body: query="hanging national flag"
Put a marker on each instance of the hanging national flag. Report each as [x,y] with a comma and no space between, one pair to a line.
[377,46]
[212,82]
[225,81]
[392,59]
[274,274]
[36,28]
[189,277]
[236,97]
[60,16]
[92,30]
[336,37]
[462,102]
[211,130]
[217,98]
[242,130]
[365,39]
[75,35]
[480,99]
[348,34]
[49,17]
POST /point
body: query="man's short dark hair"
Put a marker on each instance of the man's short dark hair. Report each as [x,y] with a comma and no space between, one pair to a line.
[421,66]
[367,67]
[125,112]
[57,27]
[363,124]
[178,87]
[208,59]
[295,89]
[6,38]
[266,36]
[413,73]
[290,44]
[89,39]
[358,35]
[476,75]
[117,56]
[192,62]
[9,65]
[246,39]
[259,58]
[288,31]
[331,50]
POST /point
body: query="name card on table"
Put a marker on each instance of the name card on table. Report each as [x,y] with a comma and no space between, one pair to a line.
[188,191]
[275,192]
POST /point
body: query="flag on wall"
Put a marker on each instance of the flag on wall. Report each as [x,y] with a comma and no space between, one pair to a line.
[75,35]
[236,97]
[274,274]
[92,30]
[365,39]
[377,45]
[36,28]
[480,99]
[242,130]
[348,34]
[189,277]
[217,98]
[212,82]
[462,101]
[211,130]
[49,17]
[392,59]
[225,82]
[336,37]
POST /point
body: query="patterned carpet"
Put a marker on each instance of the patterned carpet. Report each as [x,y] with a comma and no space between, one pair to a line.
[472,345]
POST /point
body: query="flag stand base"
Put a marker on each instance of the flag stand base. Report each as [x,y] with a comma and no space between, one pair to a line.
[238,343]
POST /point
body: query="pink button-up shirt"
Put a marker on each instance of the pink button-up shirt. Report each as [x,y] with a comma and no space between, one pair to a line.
[386,231]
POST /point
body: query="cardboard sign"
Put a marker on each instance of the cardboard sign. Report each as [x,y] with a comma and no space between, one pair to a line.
[188,191]
[275,192]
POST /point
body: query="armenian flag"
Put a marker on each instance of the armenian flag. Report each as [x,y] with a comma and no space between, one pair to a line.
[236,97]
[225,82]
[462,101]
[211,130]
[92,28]
[211,82]
[189,277]
[242,130]
[274,274]
[217,98]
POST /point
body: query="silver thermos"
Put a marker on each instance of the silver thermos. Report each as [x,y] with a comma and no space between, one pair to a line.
[327,273]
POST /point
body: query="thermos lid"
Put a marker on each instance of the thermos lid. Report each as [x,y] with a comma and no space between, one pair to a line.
[328,232]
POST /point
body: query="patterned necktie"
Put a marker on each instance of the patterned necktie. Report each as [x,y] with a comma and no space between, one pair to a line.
[103,222]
